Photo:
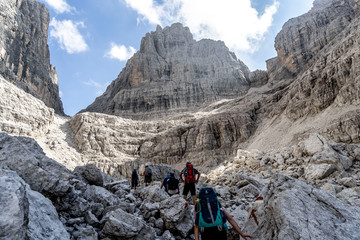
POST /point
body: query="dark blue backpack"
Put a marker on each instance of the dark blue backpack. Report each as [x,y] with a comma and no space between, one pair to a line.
[210,214]
[173,183]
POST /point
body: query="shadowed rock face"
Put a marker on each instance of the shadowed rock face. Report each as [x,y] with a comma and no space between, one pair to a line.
[173,72]
[24,53]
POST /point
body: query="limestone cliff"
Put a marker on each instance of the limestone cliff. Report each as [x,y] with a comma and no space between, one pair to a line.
[301,38]
[172,72]
[24,53]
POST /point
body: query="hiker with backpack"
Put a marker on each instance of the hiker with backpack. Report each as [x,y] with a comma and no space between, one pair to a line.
[134,179]
[210,218]
[147,175]
[171,184]
[190,180]
[165,182]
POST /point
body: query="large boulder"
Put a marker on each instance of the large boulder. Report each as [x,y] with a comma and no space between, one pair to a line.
[90,173]
[26,214]
[122,225]
[176,218]
[292,209]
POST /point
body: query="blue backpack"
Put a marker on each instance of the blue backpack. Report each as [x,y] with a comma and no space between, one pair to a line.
[210,214]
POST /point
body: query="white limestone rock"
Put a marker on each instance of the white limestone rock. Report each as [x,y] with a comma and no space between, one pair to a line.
[26,214]
[293,209]
[21,113]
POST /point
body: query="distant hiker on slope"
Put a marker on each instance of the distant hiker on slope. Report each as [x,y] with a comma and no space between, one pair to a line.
[189,173]
[147,175]
[171,184]
[211,219]
[134,179]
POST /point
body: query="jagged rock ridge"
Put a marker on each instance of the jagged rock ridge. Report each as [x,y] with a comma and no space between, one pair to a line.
[24,53]
[173,72]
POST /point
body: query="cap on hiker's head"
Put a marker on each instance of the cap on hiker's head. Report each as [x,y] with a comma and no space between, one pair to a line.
[188,163]
[172,174]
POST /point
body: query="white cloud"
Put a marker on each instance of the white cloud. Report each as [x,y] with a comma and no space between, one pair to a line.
[60,6]
[120,52]
[100,88]
[233,21]
[68,36]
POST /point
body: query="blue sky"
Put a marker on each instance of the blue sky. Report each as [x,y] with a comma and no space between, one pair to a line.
[90,40]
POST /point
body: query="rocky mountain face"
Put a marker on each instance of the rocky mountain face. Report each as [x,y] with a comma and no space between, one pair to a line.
[172,73]
[322,98]
[303,37]
[289,135]
[24,53]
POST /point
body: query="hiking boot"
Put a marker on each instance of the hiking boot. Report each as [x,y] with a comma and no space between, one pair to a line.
[186,205]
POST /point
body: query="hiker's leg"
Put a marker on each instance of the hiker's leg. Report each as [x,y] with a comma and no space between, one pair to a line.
[194,199]
[193,193]
[185,193]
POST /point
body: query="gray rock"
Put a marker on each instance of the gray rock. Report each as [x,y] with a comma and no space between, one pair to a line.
[172,73]
[176,218]
[319,171]
[90,173]
[124,225]
[303,37]
[153,194]
[26,214]
[24,155]
[21,113]
[86,233]
[101,195]
[24,53]
[292,209]
[351,196]
[167,236]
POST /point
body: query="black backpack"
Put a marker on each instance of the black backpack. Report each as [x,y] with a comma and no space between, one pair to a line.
[173,183]
[134,175]
[148,172]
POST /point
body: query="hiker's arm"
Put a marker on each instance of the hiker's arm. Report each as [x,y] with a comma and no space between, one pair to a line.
[236,226]
[181,177]
[162,184]
[196,232]
[198,177]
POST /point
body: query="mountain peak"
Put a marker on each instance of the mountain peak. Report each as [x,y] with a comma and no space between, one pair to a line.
[173,72]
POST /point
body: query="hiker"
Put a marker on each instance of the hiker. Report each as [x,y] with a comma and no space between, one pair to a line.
[210,218]
[134,179]
[147,175]
[172,185]
[189,173]
[165,182]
